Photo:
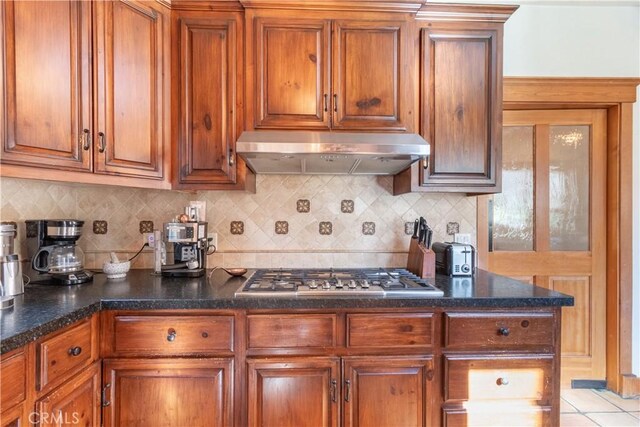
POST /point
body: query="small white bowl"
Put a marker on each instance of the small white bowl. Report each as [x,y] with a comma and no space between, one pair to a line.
[116,270]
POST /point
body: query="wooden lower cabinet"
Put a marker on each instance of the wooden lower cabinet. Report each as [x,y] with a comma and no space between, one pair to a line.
[293,392]
[371,391]
[14,417]
[388,391]
[168,392]
[76,402]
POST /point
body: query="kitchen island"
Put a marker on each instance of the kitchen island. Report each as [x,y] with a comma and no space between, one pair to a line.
[227,360]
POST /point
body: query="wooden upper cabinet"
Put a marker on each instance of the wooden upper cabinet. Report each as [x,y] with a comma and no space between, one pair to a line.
[462,106]
[210,53]
[46,91]
[368,76]
[323,73]
[129,68]
[292,66]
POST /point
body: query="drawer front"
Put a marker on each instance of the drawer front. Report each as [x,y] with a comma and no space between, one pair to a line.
[498,377]
[172,335]
[13,369]
[64,354]
[291,331]
[469,331]
[498,415]
[390,330]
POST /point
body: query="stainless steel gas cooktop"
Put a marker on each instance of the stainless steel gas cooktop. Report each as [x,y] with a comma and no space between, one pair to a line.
[383,282]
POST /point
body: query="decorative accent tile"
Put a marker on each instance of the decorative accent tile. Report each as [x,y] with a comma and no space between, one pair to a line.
[303,205]
[100,227]
[237,227]
[368,228]
[32,229]
[282,227]
[146,227]
[346,206]
[453,228]
[408,228]
[326,228]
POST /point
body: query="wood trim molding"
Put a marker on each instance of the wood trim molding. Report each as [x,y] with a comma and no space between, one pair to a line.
[616,95]
[567,90]
[203,5]
[465,12]
[400,6]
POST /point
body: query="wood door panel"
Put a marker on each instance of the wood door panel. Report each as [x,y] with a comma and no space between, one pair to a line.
[280,331]
[390,330]
[77,402]
[387,391]
[367,75]
[460,106]
[14,417]
[580,273]
[13,372]
[208,78]
[292,78]
[169,392]
[129,138]
[47,90]
[293,392]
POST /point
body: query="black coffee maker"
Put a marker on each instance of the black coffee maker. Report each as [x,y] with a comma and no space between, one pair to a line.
[55,256]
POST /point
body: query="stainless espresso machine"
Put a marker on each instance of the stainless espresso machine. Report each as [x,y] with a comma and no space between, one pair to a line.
[54,254]
[190,248]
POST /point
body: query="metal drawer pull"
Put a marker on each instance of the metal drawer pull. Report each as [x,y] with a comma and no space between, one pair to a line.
[334,384]
[347,394]
[335,102]
[326,108]
[504,332]
[74,351]
[502,381]
[231,159]
[102,145]
[171,335]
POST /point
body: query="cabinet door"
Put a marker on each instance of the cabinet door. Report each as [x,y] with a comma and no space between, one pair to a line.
[129,77]
[368,75]
[461,107]
[168,392]
[45,97]
[293,392]
[76,402]
[388,391]
[209,53]
[14,417]
[292,73]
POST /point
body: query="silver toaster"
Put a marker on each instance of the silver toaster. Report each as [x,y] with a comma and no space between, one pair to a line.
[454,259]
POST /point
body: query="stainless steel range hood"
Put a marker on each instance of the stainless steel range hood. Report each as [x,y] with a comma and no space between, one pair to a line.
[330,153]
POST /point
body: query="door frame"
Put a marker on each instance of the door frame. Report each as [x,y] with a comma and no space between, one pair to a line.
[617,96]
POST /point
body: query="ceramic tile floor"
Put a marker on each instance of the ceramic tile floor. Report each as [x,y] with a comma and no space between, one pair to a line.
[587,407]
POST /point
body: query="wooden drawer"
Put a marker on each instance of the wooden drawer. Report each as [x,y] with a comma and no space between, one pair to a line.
[13,378]
[492,331]
[498,377]
[172,335]
[498,415]
[63,354]
[279,331]
[390,330]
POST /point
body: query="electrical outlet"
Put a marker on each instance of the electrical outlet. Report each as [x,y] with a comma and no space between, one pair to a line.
[214,239]
[462,238]
[149,239]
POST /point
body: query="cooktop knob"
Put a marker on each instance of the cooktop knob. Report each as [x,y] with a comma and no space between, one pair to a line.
[313,284]
[339,283]
[352,284]
[365,284]
[326,285]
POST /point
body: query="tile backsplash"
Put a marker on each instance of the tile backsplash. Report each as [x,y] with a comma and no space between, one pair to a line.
[291,221]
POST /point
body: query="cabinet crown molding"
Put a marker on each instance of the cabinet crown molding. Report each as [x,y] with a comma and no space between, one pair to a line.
[400,6]
[203,5]
[465,12]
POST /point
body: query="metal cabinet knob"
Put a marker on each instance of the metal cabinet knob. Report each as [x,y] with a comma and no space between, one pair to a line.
[504,332]
[171,335]
[74,351]
[502,381]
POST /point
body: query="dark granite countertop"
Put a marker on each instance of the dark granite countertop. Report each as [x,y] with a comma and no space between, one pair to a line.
[43,309]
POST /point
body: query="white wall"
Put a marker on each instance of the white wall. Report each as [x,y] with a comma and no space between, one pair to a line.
[582,39]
